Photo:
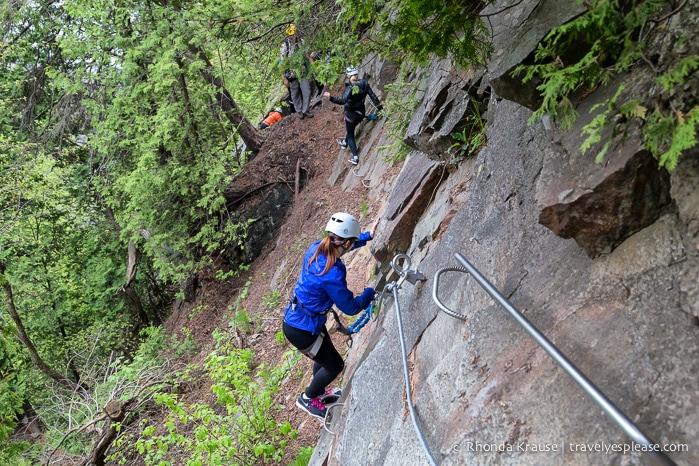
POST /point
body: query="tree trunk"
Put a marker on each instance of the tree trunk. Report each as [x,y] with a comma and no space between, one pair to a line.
[247,131]
[71,366]
[116,413]
[250,135]
[24,339]
[128,289]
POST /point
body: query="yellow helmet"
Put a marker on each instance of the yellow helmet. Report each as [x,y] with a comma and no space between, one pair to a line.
[290,29]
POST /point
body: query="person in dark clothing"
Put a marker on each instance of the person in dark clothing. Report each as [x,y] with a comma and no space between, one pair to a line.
[299,86]
[355,111]
[321,285]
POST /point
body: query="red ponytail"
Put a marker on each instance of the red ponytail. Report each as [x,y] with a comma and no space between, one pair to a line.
[331,252]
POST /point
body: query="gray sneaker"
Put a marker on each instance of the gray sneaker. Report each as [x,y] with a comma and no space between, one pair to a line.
[342,143]
[312,406]
[354,160]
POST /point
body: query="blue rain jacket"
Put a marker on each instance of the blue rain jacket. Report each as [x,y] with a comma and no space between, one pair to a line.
[314,294]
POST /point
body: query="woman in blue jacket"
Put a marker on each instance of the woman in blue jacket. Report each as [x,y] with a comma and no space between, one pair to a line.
[321,285]
[353,101]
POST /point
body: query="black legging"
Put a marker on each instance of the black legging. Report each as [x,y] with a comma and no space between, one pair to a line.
[327,363]
[350,125]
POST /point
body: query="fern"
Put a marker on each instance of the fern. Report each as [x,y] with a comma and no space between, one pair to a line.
[614,115]
[684,68]
[610,29]
[673,134]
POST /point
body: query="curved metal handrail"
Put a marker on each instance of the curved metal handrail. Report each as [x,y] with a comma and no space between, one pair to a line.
[629,428]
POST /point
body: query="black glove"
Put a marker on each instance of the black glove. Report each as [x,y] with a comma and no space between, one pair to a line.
[379,107]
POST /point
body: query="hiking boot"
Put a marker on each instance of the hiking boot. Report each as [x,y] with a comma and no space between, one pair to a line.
[330,396]
[354,160]
[308,114]
[312,406]
[300,115]
[342,143]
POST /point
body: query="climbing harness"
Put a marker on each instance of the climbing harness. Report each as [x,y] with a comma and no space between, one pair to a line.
[312,350]
[597,396]
[412,276]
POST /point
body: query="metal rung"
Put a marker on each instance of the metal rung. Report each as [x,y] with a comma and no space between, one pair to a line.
[595,393]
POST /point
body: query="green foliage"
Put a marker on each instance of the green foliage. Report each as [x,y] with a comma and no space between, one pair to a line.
[610,31]
[677,76]
[404,96]
[11,399]
[245,433]
[421,29]
[303,458]
[471,138]
[607,28]
[272,300]
[280,338]
[63,264]
[603,120]
[241,318]
[364,209]
[244,292]
[241,321]
[165,150]
[674,133]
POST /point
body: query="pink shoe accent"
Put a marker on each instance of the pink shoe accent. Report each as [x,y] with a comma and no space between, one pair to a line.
[316,403]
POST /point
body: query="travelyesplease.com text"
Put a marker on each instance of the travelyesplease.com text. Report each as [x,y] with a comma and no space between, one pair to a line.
[562,447]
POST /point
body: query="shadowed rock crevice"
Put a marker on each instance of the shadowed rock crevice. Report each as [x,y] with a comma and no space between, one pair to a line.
[602,216]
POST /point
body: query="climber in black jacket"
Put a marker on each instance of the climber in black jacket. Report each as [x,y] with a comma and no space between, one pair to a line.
[355,112]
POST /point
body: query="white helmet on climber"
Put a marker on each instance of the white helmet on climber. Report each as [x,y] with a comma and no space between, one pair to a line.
[352,71]
[343,225]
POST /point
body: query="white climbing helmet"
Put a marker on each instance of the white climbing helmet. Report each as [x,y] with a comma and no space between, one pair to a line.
[343,225]
[352,71]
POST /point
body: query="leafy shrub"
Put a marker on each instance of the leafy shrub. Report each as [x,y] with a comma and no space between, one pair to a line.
[280,338]
[471,138]
[399,109]
[241,321]
[245,433]
[303,458]
[420,29]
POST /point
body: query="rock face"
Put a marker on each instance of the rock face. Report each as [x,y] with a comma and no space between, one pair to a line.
[450,98]
[620,301]
[405,206]
[600,205]
[517,29]
[599,217]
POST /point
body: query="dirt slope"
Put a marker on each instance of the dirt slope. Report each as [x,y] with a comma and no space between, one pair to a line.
[273,274]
